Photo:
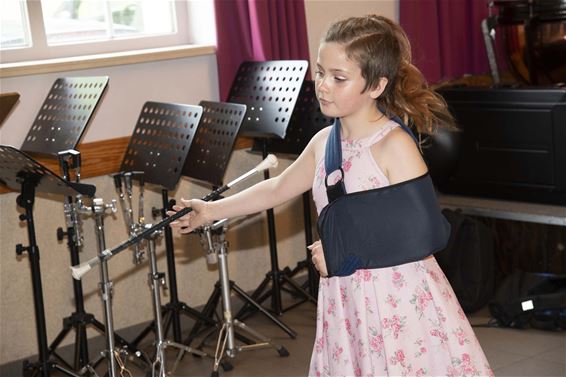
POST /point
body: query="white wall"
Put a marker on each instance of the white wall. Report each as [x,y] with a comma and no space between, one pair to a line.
[186,80]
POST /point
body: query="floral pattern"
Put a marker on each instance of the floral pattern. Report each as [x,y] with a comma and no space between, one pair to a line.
[398,321]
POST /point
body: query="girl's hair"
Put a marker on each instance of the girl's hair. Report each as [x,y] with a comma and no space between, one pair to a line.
[381,49]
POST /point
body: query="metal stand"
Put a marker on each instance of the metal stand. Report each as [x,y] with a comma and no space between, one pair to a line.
[207,162]
[270,90]
[80,319]
[115,356]
[20,172]
[156,154]
[306,121]
[156,280]
[226,344]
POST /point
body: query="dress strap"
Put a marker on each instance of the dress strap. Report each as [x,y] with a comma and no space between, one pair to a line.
[382,132]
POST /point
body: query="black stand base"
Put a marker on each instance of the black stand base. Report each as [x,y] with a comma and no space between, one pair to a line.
[210,310]
[282,278]
[80,322]
[43,369]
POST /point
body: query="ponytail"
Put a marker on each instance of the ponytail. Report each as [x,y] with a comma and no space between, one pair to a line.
[413,101]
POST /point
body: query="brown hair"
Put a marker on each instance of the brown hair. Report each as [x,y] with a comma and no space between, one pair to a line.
[381,49]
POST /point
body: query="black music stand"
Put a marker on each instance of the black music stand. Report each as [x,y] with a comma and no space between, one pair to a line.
[270,91]
[159,145]
[20,172]
[306,121]
[62,119]
[58,126]
[7,103]
[207,162]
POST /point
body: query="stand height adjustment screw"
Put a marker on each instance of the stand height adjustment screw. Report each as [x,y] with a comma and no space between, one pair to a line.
[155,212]
[61,234]
[20,249]
[23,217]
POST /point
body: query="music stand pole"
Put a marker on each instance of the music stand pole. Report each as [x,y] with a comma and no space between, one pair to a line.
[19,169]
[175,307]
[26,201]
[174,303]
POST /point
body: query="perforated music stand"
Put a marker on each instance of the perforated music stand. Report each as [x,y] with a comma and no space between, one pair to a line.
[159,146]
[306,121]
[22,173]
[207,162]
[61,121]
[270,91]
[64,114]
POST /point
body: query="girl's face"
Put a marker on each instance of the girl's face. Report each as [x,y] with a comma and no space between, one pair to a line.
[339,84]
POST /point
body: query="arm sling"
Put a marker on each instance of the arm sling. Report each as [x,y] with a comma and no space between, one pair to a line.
[377,228]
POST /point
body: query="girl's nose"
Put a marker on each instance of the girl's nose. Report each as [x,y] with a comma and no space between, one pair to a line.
[321,85]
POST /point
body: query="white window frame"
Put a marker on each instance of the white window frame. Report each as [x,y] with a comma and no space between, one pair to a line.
[40,50]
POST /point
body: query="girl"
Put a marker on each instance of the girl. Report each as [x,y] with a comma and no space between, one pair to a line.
[403,320]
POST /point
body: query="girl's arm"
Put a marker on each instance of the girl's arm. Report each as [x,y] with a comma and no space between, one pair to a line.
[270,193]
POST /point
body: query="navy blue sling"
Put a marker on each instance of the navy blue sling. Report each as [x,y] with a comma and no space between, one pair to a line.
[377,228]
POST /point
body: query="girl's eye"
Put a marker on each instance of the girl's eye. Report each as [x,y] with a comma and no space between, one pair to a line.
[339,79]
[318,74]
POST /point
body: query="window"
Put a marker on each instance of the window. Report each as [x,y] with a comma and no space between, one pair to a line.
[68,21]
[14,31]
[45,29]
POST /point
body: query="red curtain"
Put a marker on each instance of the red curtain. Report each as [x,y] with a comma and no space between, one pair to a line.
[445,36]
[258,30]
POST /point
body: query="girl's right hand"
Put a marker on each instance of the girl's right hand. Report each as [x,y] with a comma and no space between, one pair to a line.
[199,216]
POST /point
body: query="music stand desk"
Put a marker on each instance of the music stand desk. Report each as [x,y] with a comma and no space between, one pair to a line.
[507,210]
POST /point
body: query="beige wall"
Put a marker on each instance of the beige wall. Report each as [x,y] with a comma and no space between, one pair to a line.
[321,13]
[185,80]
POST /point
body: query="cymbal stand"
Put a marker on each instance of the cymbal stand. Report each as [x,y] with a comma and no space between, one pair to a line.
[111,353]
[217,249]
[123,182]
[156,280]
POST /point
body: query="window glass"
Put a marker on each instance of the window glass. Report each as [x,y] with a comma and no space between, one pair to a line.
[14,31]
[68,21]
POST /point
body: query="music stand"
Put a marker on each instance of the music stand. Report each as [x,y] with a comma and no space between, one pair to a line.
[63,117]
[306,121]
[207,162]
[58,126]
[158,147]
[7,103]
[22,173]
[270,91]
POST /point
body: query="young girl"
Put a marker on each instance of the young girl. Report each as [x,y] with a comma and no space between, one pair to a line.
[403,320]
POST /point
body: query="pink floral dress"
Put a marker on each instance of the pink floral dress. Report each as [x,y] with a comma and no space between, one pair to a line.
[397,321]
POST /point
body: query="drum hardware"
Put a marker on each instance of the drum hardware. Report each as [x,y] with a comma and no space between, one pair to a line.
[216,246]
[160,142]
[70,162]
[123,183]
[156,280]
[155,277]
[113,354]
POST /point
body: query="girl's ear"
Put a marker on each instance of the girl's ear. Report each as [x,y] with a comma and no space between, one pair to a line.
[379,88]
